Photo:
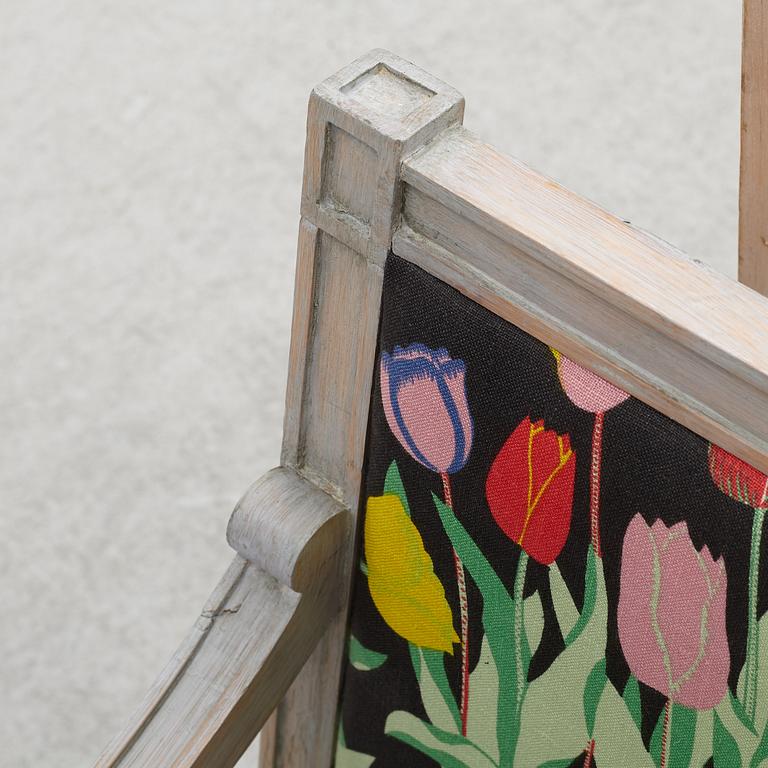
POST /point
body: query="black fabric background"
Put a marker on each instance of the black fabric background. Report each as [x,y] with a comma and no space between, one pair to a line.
[651,465]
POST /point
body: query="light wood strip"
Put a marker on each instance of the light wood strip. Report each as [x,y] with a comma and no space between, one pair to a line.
[753,187]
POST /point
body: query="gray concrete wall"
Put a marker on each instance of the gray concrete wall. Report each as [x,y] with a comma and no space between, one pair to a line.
[150,167]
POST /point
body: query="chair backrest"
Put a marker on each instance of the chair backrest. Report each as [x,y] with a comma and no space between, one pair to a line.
[561,510]
[549,433]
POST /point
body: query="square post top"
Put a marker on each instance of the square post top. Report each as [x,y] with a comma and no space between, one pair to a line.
[362,121]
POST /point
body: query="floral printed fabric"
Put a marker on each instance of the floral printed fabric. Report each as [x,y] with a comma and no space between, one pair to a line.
[551,573]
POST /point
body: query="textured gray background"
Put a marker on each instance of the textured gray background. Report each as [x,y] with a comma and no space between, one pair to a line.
[150,167]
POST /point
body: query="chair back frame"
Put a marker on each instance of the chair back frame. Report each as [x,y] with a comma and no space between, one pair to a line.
[389,166]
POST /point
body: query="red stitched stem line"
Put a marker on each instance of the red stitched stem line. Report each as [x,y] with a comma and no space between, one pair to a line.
[589,753]
[464,613]
[666,735]
[594,482]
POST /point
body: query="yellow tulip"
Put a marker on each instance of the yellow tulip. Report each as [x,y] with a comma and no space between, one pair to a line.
[401,577]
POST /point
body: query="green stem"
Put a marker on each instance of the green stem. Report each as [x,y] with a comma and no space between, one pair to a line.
[753,639]
[519,628]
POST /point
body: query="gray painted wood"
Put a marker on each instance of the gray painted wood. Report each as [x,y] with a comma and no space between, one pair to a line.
[362,122]
[252,637]
[388,165]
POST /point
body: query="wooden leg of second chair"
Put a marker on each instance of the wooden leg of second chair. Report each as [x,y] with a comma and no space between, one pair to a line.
[753,188]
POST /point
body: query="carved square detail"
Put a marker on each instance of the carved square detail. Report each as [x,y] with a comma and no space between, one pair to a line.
[388,92]
[349,175]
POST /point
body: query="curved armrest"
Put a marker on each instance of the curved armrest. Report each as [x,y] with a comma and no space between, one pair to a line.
[253,636]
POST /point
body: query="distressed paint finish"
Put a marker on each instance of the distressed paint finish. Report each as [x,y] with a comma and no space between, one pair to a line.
[362,122]
[388,165]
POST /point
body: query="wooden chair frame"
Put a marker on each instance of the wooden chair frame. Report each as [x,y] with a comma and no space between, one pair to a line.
[389,167]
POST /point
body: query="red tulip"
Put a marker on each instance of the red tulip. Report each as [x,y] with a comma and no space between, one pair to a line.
[530,489]
[738,479]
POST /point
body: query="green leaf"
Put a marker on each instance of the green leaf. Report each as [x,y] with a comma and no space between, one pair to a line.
[483,698]
[682,727]
[552,718]
[565,609]
[761,711]
[393,483]
[590,596]
[533,619]
[498,622]
[617,739]
[632,700]
[363,658]
[566,762]
[741,713]
[725,750]
[449,750]
[656,739]
[436,694]
[474,560]
[732,716]
[761,753]
[593,690]
[702,741]
[348,758]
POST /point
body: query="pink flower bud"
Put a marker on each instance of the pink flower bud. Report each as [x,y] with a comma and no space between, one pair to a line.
[585,389]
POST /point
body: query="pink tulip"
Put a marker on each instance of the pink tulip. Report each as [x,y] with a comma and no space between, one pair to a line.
[425,402]
[671,614]
[587,390]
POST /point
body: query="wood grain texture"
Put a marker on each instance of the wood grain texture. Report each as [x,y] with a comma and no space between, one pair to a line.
[251,638]
[678,336]
[753,186]
[361,123]
[301,330]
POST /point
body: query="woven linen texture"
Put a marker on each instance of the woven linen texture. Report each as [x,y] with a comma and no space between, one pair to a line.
[551,572]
